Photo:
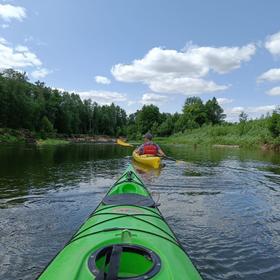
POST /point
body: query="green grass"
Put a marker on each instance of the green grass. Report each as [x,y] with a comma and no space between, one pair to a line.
[250,134]
[10,136]
[50,141]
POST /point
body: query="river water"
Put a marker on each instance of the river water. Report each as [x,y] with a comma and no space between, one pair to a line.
[223,204]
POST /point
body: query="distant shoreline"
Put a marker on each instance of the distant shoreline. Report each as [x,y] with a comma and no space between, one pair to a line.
[196,137]
[8,135]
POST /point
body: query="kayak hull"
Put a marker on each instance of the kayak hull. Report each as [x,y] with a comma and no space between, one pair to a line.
[152,161]
[128,223]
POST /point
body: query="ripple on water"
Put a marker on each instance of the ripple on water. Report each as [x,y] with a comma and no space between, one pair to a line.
[222,205]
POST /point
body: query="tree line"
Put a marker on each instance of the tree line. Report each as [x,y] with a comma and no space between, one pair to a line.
[195,113]
[44,110]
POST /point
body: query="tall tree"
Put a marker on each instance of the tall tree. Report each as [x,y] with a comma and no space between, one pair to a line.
[146,117]
[194,112]
[215,113]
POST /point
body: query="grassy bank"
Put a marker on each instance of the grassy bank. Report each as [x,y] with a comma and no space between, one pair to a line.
[11,136]
[50,141]
[248,134]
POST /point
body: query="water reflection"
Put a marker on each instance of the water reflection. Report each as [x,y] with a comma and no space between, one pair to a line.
[223,204]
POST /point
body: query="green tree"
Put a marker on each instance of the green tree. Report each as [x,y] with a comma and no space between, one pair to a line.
[166,127]
[194,112]
[46,125]
[243,117]
[180,124]
[146,117]
[274,123]
[214,112]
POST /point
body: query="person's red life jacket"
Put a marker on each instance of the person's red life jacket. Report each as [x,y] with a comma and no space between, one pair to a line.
[150,149]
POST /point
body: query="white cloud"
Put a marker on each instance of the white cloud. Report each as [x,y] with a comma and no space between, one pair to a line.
[185,85]
[21,48]
[102,80]
[4,25]
[152,98]
[253,112]
[40,73]
[99,96]
[36,41]
[102,97]
[271,75]
[237,110]
[131,102]
[3,41]
[172,71]
[274,91]
[223,101]
[17,57]
[261,109]
[272,43]
[8,12]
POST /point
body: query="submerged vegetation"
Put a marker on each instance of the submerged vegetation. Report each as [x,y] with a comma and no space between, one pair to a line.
[34,111]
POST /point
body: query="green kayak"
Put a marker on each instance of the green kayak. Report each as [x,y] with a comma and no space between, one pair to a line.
[126,237]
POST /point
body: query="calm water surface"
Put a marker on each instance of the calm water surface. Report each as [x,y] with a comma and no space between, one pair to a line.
[224,204]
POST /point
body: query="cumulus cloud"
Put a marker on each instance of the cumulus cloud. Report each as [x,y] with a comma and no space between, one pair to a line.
[99,96]
[253,112]
[185,85]
[172,71]
[152,98]
[272,43]
[9,12]
[223,101]
[102,97]
[3,41]
[40,73]
[274,91]
[102,80]
[272,75]
[16,57]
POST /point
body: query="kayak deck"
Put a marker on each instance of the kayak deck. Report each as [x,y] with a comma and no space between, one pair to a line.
[152,161]
[126,237]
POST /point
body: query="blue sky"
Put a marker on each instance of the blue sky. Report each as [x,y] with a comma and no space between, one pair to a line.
[149,51]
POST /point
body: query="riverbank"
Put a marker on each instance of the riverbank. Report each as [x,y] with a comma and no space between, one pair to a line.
[50,141]
[222,136]
[8,135]
[228,135]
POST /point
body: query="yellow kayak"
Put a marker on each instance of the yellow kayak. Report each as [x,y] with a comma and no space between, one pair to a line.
[147,160]
[145,169]
[122,143]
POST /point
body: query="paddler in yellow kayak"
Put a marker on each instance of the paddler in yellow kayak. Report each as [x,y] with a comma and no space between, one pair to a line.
[149,148]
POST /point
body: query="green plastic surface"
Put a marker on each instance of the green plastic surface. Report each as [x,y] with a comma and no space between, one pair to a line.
[125,224]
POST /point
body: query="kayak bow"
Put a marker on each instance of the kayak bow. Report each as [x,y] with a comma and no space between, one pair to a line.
[123,143]
[126,237]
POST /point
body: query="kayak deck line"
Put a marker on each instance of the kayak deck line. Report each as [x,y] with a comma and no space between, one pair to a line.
[129,229]
[125,216]
[125,237]
[130,205]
